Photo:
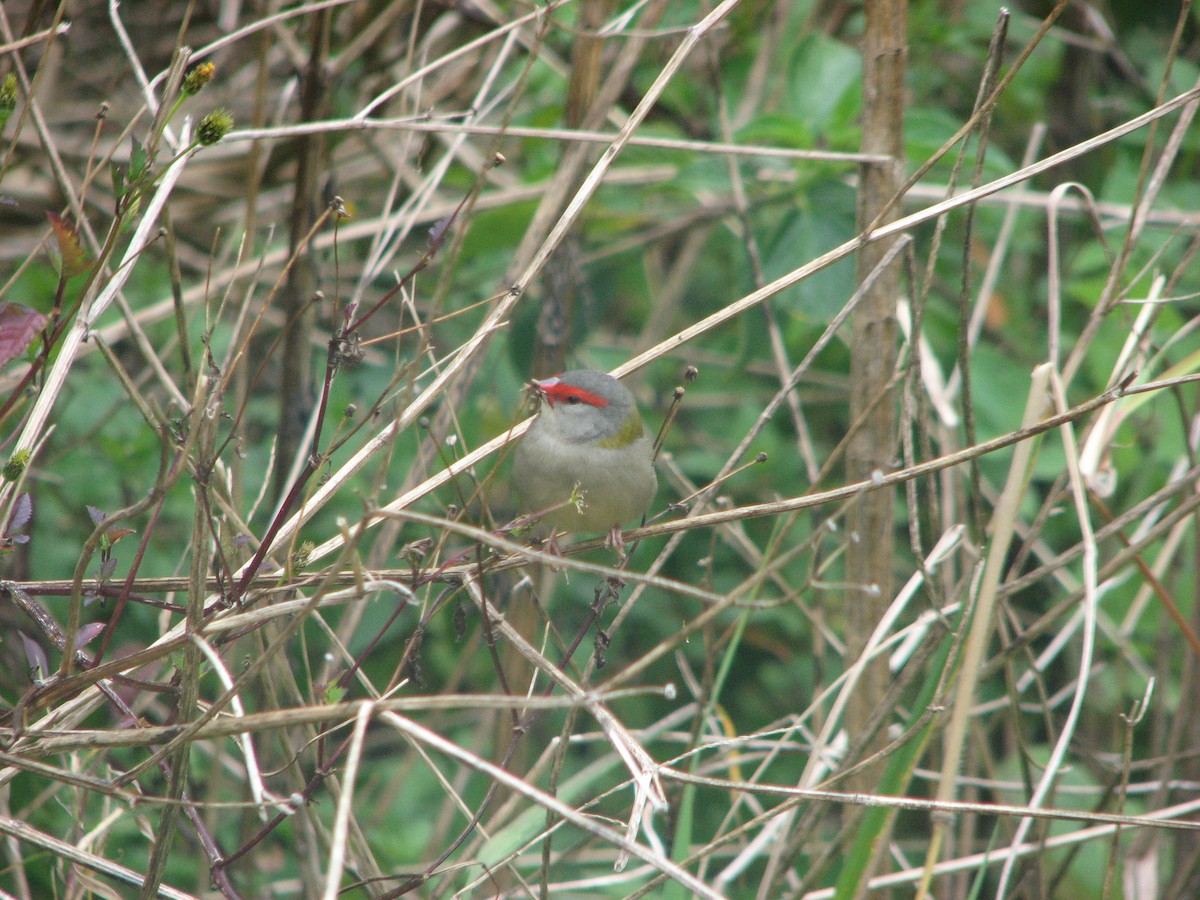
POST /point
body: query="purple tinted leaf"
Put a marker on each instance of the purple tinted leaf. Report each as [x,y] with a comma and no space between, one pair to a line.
[39,665]
[107,568]
[19,538]
[88,633]
[438,230]
[19,325]
[22,511]
[97,515]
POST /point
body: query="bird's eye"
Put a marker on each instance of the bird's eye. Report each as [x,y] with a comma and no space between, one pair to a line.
[574,399]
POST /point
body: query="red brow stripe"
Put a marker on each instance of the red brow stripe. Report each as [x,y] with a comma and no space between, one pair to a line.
[561,392]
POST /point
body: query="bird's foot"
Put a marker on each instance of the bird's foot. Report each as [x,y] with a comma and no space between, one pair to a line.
[550,545]
[616,540]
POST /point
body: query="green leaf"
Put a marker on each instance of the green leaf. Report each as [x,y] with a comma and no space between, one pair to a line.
[138,159]
[825,83]
[118,179]
[821,223]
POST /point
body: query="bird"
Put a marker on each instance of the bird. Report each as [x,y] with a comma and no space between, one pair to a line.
[586,463]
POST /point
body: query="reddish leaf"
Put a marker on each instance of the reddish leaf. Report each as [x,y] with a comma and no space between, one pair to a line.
[75,259]
[115,534]
[88,633]
[19,325]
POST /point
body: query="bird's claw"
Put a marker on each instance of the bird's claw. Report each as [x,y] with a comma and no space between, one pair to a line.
[616,540]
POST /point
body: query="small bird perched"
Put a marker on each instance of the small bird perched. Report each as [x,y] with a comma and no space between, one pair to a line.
[587,436]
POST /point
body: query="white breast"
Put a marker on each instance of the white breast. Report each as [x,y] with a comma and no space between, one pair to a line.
[617,485]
